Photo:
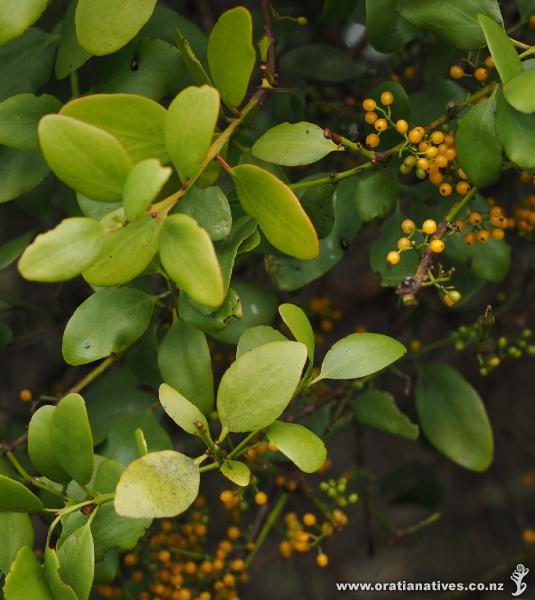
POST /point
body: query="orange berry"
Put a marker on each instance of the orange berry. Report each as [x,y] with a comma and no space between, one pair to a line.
[416,135]
[475,218]
[498,234]
[309,519]
[393,257]
[404,243]
[369,105]
[462,187]
[445,189]
[261,498]
[285,549]
[483,236]
[437,246]
[408,226]
[387,98]
[459,225]
[437,137]
[489,62]
[402,126]
[432,151]
[436,178]
[373,140]
[469,239]
[481,74]
[370,117]
[381,125]
[25,395]
[456,72]
[441,161]
[322,560]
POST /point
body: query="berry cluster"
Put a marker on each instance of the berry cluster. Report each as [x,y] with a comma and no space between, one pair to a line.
[524,216]
[479,72]
[483,227]
[408,227]
[336,490]
[382,121]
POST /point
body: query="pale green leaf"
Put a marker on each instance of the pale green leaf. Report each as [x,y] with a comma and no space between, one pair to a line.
[231,54]
[514,129]
[299,325]
[76,557]
[277,210]
[25,579]
[299,444]
[63,252]
[501,47]
[210,208]
[182,411]
[104,26]
[60,590]
[160,484]
[86,158]
[190,126]
[17,16]
[257,336]
[188,256]
[106,322]
[294,144]
[520,91]
[258,386]
[142,187]
[237,472]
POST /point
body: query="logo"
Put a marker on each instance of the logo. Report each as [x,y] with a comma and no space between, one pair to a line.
[518,575]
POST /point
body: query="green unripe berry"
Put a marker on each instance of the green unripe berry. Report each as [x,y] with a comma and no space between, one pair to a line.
[421,174]
[302,21]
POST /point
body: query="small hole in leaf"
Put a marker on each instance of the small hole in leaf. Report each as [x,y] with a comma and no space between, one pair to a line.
[134,65]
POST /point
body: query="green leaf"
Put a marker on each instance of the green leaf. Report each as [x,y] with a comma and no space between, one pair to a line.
[137,123]
[76,557]
[16,497]
[71,55]
[257,336]
[161,484]
[479,151]
[231,54]
[227,249]
[25,579]
[19,117]
[149,67]
[277,210]
[293,144]
[105,26]
[17,16]
[519,91]
[106,322]
[376,194]
[86,158]
[188,256]
[142,187]
[453,417]
[126,253]
[378,409]
[514,131]
[258,386]
[299,444]
[20,172]
[26,63]
[210,208]
[16,530]
[40,447]
[360,354]
[389,233]
[190,126]
[299,325]
[60,590]
[107,569]
[237,472]
[290,274]
[71,438]
[321,62]
[455,21]
[182,411]
[10,251]
[215,321]
[185,363]
[387,30]
[501,47]
[192,62]
[63,252]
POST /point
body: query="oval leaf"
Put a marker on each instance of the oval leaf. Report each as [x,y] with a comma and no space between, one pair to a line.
[104,26]
[127,252]
[237,472]
[71,438]
[142,186]
[187,254]
[182,411]
[299,325]
[190,126]
[106,322]
[16,497]
[453,417]
[16,530]
[136,122]
[161,484]
[479,150]
[17,16]
[257,336]
[360,354]
[63,252]
[520,92]
[514,130]
[185,364]
[76,557]
[86,158]
[294,144]
[501,47]
[258,386]
[60,590]
[231,54]
[25,579]
[277,210]
[376,194]
[40,448]
[299,444]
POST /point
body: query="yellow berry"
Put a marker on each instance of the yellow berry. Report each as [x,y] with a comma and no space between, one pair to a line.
[422,163]
[483,236]
[475,218]
[432,151]
[469,239]
[404,243]
[429,226]
[481,74]
[436,178]
[416,135]
[462,188]
[489,62]
[459,225]
[462,174]
[373,140]
[261,498]
[387,98]
[498,234]
[393,257]
[309,519]
[370,117]
[381,125]
[408,226]
[369,105]
[322,560]
[285,549]
[402,126]
[445,189]
[437,246]
[456,72]
[437,137]
[164,556]
[25,395]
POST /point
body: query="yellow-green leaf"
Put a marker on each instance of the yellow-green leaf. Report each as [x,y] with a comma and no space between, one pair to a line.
[182,411]
[142,186]
[17,16]
[237,472]
[25,580]
[277,210]
[189,127]
[187,254]
[501,47]
[231,54]
[299,444]
[299,325]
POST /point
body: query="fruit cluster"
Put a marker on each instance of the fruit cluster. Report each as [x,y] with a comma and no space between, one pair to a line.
[336,490]
[484,226]
[524,216]
[408,227]
[480,72]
